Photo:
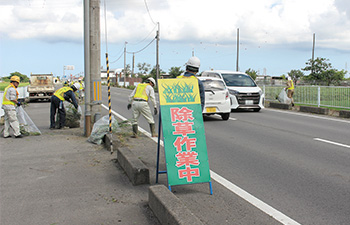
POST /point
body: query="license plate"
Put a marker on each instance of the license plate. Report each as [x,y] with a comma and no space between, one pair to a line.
[211,109]
[249,102]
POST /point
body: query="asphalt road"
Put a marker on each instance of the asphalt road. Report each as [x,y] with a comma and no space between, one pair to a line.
[297,163]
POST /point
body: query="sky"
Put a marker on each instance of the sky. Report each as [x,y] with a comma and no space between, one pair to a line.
[275,36]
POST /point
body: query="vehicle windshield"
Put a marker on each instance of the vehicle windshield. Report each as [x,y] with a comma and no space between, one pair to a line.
[213,85]
[238,80]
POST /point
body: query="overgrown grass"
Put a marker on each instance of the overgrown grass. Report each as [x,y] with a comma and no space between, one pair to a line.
[3,85]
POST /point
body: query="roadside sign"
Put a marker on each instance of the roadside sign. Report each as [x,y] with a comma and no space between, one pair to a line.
[184,135]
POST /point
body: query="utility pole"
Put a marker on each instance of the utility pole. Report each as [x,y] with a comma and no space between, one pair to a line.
[124,73]
[313,53]
[157,60]
[92,62]
[87,118]
[237,67]
[133,64]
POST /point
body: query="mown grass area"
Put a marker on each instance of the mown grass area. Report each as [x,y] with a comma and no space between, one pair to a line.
[3,85]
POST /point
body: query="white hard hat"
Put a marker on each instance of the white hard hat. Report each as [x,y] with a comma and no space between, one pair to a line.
[194,62]
[77,86]
[152,80]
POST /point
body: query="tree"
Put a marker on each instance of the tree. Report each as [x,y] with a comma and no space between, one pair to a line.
[296,75]
[127,70]
[333,76]
[252,73]
[153,72]
[316,68]
[175,71]
[23,78]
[143,68]
[322,71]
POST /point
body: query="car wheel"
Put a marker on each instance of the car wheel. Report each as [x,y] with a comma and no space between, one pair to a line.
[225,116]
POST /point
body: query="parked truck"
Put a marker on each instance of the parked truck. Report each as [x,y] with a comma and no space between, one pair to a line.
[41,87]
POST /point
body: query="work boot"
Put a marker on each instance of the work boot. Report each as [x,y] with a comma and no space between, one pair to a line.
[153,130]
[134,131]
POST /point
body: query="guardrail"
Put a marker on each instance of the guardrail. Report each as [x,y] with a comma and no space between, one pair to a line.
[330,96]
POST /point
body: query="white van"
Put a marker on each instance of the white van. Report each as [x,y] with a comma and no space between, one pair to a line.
[244,92]
[217,98]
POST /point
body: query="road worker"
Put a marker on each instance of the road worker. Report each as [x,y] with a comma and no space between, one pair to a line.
[64,93]
[290,89]
[138,100]
[192,67]
[9,104]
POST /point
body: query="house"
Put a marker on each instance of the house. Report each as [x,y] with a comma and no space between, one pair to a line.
[113,73]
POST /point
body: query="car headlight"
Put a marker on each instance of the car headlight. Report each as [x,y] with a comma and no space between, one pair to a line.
[233,92]
[260,92]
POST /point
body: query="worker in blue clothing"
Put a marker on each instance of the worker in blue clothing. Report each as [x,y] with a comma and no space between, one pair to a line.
[192,67]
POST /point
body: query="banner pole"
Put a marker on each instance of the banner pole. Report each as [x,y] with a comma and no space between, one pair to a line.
[158,145]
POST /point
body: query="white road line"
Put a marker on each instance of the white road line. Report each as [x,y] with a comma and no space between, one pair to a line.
[332,142]
[308,115]
[277,215]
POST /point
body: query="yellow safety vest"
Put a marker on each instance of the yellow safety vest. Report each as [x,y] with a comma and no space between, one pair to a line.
[292,85]
[141,92]
[182,76]
[60,92]
[6,101]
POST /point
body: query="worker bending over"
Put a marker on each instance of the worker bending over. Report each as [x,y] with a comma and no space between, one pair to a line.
[64,93]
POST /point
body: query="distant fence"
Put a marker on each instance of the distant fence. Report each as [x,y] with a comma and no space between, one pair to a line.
[330,96]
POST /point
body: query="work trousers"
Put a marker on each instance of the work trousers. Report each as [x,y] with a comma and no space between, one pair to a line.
[290,93]
[11,120]
[141,108]
[57,103]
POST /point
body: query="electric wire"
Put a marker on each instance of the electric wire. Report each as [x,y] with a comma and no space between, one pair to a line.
[145,37]
[118,58]
[142,48]
[149,12]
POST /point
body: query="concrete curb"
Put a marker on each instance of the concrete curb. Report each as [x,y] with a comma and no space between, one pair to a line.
[344,114]
[168,208]
[165,205]
[134,168]
[316,110]
[309,109]
[137,172]
[278,105]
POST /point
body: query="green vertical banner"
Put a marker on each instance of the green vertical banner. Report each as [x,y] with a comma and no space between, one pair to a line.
[183,129]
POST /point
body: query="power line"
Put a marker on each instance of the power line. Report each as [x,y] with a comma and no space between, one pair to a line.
[142,48]
[145,37]
[118,58]
[149,12]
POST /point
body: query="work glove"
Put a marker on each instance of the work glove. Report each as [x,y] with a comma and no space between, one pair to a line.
[129,106]
[155,111]
[18,103]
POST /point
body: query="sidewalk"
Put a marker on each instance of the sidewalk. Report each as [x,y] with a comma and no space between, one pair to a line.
[60,178]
